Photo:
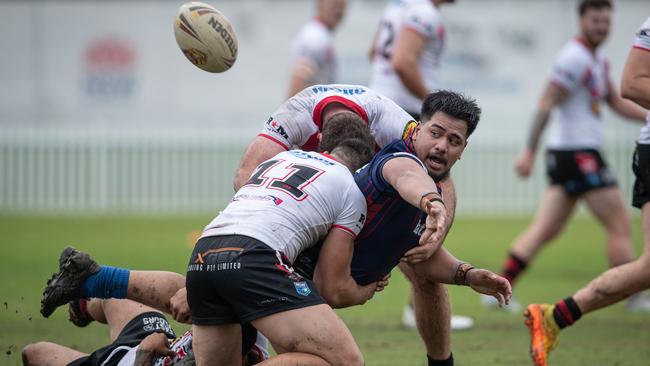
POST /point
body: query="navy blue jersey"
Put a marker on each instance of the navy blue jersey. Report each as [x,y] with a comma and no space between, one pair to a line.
[393,226]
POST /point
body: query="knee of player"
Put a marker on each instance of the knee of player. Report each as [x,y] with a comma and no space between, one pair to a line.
[30,353]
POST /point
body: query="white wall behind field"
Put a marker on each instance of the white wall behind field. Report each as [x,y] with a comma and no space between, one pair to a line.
[57,76]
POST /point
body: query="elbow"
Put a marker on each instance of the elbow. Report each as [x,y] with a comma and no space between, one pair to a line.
[400,66]
[629,92]
[332,297]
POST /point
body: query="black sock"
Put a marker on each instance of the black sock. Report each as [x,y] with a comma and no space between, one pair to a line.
[513,267]
[566,312]
[447,362]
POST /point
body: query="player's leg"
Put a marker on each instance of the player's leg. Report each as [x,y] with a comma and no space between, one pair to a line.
[550,219]
[553,212]
[608,207]
[80,276]
[432,314]
[314,330]
[49,354]
[217,344]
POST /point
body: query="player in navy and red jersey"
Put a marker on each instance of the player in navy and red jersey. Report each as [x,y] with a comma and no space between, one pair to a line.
[401,193]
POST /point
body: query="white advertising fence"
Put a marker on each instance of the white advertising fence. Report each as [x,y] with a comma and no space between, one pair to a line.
[189,173]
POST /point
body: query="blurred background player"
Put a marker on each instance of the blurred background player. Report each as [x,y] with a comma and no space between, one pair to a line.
[544,320]
[579,82]
[314,55]
[405,57]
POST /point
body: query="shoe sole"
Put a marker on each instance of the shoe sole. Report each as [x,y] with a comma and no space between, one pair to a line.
[534,319]
[64,262]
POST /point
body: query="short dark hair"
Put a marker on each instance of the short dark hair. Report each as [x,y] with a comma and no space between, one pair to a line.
[453,104]
[356,152]
[343,126]
[593,4]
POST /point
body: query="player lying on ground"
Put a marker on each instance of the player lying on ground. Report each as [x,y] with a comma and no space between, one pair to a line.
[545,321]
[138,330]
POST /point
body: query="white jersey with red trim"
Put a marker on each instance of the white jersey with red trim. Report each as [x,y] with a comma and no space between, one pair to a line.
[642,42]
[298,121]
[314,47]
[291,201]
[422,17]
[584,75]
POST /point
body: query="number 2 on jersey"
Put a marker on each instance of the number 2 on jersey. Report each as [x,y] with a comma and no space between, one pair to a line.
[292,183]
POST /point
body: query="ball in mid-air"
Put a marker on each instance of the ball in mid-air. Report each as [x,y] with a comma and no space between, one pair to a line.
[206,37]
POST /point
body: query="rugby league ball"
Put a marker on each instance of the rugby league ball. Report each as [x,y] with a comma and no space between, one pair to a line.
[206,37]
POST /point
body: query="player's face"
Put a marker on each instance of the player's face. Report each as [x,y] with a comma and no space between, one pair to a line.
[594,25]
[332,11]
[439,142]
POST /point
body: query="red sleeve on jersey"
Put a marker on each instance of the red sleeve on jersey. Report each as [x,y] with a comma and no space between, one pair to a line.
[347,230]
[274,140]
[641,48]
[318,110]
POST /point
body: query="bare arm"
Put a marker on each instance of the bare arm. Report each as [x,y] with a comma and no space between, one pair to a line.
[636,78]
[408,47]
[258,150]
[553,95]
[373,45]
[443,267]
[302,74]
[624,107]
[333,276]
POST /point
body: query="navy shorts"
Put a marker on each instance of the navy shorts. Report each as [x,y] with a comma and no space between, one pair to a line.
[641,169]
[578,171]
[133,333]
[237,279]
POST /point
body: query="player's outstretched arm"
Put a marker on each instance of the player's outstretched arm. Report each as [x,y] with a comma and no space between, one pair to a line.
[635,84]
[443,267]
[333,274]
[259,150]
[416,187]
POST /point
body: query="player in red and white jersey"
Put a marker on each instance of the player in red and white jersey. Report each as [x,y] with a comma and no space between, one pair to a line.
[241,271]
[576,168]
[314,59]
[406,52]
[295,181]
[545,320]
[299,120]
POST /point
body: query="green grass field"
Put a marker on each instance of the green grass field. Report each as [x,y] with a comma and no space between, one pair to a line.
[30,248]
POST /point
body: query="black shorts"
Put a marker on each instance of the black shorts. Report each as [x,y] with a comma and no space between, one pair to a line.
[578,171]
[641,169]
[133,333]
[237,279]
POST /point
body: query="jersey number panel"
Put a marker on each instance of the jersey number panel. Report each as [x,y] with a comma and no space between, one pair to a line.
[386,39]
[293,182]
